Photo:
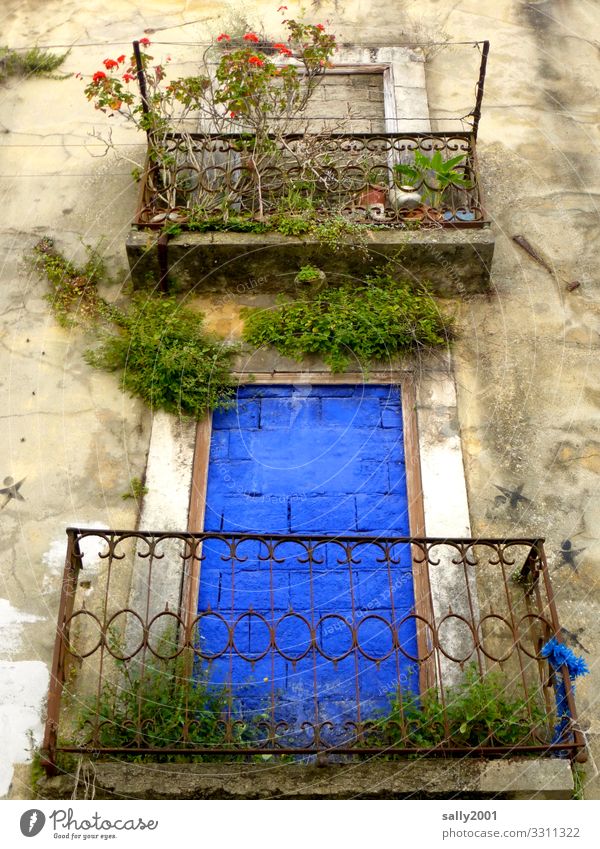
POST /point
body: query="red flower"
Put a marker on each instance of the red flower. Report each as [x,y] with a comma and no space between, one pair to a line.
[250,36]
[285,51]
[233,114]
[99,75]
[145,42]
[254,60]
[223,37]
[121,59]
[128,77]
[110,63]
[282,7]
[320,27]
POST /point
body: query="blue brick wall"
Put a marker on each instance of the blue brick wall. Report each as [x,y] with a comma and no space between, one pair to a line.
[324,460]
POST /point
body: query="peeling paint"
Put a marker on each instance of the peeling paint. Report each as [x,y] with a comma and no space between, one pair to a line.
[54,557]
[23,687]
[11,627]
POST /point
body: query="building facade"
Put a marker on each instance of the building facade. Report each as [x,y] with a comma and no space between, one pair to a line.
[493,440]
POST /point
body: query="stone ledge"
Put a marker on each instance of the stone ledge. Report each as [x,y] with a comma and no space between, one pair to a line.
[455,262]
[519,778]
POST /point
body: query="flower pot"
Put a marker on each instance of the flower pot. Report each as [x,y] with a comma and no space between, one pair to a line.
[372,196]
[404,197]
[427,214]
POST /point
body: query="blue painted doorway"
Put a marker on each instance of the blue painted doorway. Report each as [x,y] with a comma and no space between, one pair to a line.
[303,634]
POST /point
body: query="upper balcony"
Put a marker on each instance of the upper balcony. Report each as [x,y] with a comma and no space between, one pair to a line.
[395,181]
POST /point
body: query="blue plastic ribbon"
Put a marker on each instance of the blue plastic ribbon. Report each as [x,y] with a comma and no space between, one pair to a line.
[558,654]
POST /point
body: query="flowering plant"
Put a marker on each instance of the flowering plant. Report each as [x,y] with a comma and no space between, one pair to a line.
[248,91]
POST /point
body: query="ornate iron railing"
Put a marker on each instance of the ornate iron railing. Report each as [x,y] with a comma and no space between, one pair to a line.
[225,645]
[206,181]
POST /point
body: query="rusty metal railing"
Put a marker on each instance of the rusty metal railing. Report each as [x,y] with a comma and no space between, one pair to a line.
[217,644]
[211,180]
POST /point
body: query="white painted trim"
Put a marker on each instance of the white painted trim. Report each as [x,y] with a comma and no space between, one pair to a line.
[446,508]
[165,508]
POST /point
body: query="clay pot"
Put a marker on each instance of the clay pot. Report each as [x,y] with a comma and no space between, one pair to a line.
[372,196]
[424,213]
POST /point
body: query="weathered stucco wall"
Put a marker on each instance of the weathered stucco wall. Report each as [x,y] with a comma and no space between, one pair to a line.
[526,360]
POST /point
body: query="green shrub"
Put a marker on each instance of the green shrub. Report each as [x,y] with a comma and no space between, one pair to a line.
[153,708]
[374,320]
[479,711]
[332,233]
[167,358]
[309,274]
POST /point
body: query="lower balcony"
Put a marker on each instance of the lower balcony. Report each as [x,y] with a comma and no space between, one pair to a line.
[288,646]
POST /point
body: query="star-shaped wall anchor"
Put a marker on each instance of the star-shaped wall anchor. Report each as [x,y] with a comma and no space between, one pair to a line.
[10,491]
[568,554]
[513,496]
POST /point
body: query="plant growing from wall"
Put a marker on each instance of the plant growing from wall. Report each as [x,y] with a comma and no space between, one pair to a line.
[374,320]
[167,358]
[137,490]
[161,348]
[73,294]
[480,711]
[433,175]
[309,274]
[33,62]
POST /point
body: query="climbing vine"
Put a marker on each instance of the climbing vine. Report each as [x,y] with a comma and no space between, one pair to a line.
[161,349]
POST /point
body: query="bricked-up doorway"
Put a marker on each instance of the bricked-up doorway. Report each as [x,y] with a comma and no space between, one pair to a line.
[348,100]
[301,460]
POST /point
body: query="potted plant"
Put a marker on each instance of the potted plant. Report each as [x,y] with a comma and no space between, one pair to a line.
[431,177]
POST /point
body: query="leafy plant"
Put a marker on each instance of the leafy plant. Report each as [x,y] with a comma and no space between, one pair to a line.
[203,222]
[136,490]
[73,292]
[332,233]
[379,318]
[434,175]
[480,711]
[155,706]
[167,358]
[308,274]
[36,62]
[293,225]
[161,348]
[578,782]
[295,213]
